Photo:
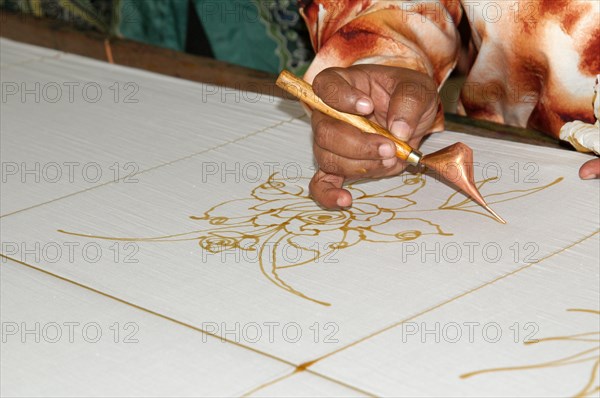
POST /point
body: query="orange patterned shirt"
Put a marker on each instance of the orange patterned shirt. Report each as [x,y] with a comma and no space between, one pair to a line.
[533,62]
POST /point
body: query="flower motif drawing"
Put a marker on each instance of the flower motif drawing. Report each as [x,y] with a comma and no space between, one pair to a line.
[280,215]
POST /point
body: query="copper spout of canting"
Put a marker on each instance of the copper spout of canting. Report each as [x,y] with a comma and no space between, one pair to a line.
[455,164]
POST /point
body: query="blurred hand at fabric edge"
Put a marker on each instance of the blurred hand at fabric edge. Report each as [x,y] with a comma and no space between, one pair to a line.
[590,169]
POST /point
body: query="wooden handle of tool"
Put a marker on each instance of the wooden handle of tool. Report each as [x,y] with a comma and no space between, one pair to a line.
[304,92]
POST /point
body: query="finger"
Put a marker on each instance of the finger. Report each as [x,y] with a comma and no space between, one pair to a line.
[413,106]
[415,141]
[590,170]
[338,92]
[348,141]
[332,163]
[326,189]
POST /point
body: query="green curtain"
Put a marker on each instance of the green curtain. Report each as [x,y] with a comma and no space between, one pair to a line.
[261,34]
[158,22]
[268,35]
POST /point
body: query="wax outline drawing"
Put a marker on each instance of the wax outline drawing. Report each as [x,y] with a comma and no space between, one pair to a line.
[281,214]
[586,355]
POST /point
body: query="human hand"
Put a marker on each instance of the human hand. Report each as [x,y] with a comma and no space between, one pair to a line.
[590,169]
[585,138]
[402,100]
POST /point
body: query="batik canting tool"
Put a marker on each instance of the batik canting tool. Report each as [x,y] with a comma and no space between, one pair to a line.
[454,163]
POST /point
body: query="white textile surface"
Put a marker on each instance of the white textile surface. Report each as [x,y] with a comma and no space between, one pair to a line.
[158,239]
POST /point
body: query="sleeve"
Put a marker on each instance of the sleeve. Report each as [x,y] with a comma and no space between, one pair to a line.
[420,35]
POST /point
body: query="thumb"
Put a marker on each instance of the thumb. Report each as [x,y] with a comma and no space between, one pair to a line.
[326,189]
[334,86]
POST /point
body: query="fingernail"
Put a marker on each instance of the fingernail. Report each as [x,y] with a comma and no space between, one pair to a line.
[386,151]
[401,130]
[341,202]
[389,162]
[363,105]
[589,177]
